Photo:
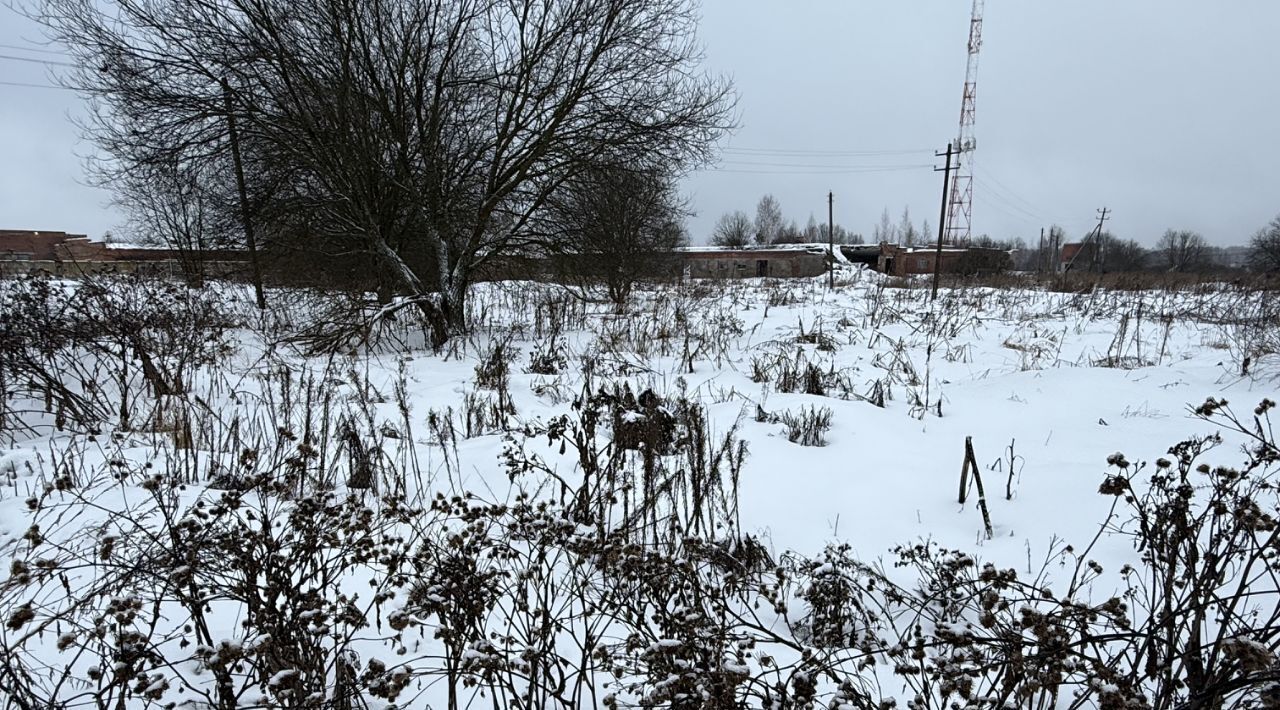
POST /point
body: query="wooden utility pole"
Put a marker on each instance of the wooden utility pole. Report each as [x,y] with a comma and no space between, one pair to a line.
[1097,241]
[1055,247]
[1044,255]
[250,243]
[831,239]
[942,219]
[1093,239]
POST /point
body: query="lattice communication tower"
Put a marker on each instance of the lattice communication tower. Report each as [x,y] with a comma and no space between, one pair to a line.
[960,204]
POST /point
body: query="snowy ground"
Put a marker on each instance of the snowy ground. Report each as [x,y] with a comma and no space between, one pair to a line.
[1047,385]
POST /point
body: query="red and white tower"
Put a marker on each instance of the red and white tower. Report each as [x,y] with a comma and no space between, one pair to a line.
[960,203]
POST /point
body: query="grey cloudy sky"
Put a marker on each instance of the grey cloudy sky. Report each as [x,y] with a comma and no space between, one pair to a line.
[1163,110]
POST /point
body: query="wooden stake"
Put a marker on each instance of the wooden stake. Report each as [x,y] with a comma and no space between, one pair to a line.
[970,461]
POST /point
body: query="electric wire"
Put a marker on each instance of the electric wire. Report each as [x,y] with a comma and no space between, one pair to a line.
[49,62]
[32,49]
[819,166]
[817,153]
[823,171]
[1009,193]
[990,193]
[35,86]
[1018,218]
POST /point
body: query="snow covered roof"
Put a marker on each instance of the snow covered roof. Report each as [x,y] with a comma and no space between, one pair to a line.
[132,246]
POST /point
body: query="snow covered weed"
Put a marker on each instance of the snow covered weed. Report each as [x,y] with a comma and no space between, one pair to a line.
[360,520]
[808,426]
[105,350]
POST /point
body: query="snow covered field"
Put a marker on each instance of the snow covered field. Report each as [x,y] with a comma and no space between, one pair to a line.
[510,523]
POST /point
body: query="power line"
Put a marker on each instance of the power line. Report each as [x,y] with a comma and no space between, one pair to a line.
[989,197]
[998,197]
[817,153]
[1009,191]
[33,49]
[1014,217]
[810,165]
[49,62]
[825,171]
[1006,196]
[35,86]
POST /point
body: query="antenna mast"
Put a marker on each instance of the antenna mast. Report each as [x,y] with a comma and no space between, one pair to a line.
[960,206]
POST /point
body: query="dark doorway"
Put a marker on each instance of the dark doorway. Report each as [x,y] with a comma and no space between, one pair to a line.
[762,267]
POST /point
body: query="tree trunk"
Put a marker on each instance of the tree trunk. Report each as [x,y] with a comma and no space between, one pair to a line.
[454,305]
[438,314]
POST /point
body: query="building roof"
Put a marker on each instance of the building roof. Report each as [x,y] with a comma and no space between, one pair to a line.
[757,250]
[38,245]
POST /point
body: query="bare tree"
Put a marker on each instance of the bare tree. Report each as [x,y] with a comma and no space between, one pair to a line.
[907,230]
[812,233]
[789,233]
[1122,255]
[1264,248]
[769,222]
[841,235]
[614,227]
[885,231]
[180,208]
[423,135]
[1054,242]
[1183,250]
[733,229]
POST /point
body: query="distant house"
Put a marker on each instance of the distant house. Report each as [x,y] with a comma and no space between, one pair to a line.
[24,251]
[25,245]
[779,261]
[1077,256]
[898,260]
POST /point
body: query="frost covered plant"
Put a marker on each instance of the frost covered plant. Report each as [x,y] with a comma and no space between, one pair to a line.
[493,369]
[1249,329]
[974,635]
[547,358]
[841,609]
[1205,598]
[650,466]
[1196,622]
[254,593]
[808,426]
[103,349]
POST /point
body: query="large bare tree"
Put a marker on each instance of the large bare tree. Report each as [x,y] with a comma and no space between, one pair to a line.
[181,208]
[1264,248]
[613,227]
[769,222]
[733,229]
[424,135]
[1183,250]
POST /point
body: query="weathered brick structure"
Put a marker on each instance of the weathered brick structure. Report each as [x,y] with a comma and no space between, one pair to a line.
[781,262]
[24,245]
[906,261]
[64,254]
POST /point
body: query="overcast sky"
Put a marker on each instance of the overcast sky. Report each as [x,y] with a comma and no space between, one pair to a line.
[1163,110]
